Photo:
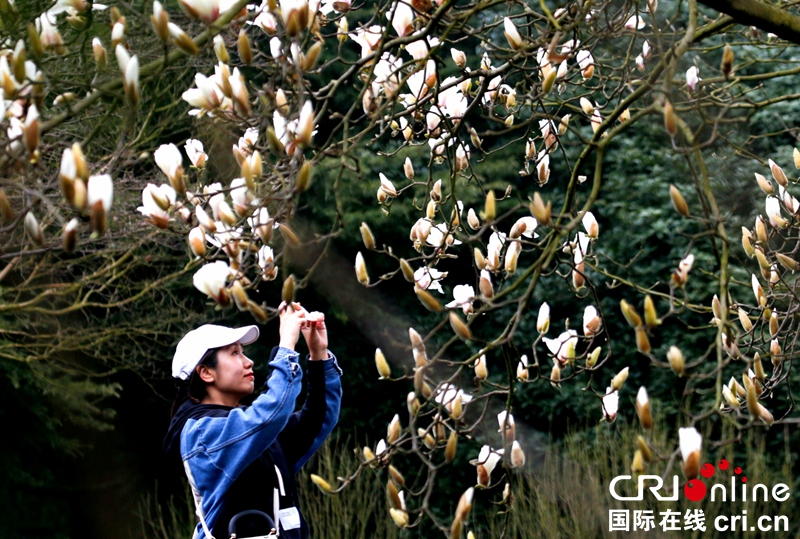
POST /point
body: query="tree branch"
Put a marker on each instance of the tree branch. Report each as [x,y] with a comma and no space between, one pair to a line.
[761,15]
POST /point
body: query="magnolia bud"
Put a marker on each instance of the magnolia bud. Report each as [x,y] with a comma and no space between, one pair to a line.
[367,237]
[459,327]
[747,242]
[323,485]
[630,313]
[408,169]
[244,47]
[540,210]
[428,300]
[670,119]
[382,364]
[675,358]
[490,208]
[678,201]
[361,270]
[452,446]
[481,370]
[726,66]
[619,379]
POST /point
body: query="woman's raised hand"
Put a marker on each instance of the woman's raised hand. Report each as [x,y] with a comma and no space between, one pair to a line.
[315,333]
[293,320]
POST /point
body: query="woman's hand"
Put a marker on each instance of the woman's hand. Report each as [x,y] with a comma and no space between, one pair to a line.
[292,322]
[316,334]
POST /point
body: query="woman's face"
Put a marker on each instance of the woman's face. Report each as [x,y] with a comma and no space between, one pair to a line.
[233,376]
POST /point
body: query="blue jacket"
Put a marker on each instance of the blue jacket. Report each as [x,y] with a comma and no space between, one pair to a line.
[246,457]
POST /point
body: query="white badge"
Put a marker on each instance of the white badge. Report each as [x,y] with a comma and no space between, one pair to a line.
[290,518]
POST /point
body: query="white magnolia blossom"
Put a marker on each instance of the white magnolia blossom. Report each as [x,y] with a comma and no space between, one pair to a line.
[210,279]
[446,395]
[153,199]
[610,405]
[791,203]
[241,196]
[206,10]
[368,37]
[690,441]
[692,77]
[563,346]
[496,242]
[543,320]
[100,189]
[590,225]
[421,48]
[772,208]
[436,237]
[401,16]
[428,278]
[584,59]
[194,150]
[169,159]
[635,23]
[589,315]
[462,298]
[489,458]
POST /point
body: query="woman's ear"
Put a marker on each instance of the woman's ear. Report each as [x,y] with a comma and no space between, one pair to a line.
[206,374]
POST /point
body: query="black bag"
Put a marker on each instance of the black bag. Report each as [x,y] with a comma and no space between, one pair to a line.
[251,524]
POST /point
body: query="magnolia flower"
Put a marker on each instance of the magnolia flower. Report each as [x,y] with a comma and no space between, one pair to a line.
[486,462]
[368,38]
[692,77]
[169,159]
[530,223]
[462,297]
[266,261]
[635,23]
[591,321]
[610,405]
[155,202]
[459,58]
[295,15]
[590,224]
[563,347]
[428,278]
[401,15]
[194,149]
[210,280]
[640,62]
[584,59]
[517,455]
[543,320]
[646,49]
[522,368]
[691,444]
[543,167]
[100,194]
[437,238]
[241,196]
[496,242]
[506,423]
[511,33]
[48,33]
[447,394]
[387,186]
[772,208]
[205,10]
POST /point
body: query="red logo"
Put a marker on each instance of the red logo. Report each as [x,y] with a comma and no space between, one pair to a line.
[695,490]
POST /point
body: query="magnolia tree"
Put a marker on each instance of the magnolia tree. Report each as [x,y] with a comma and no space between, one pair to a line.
[556,85]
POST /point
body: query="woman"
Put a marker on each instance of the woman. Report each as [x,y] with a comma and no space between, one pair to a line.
[241,461]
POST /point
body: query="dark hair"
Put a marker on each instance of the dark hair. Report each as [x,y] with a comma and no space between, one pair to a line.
[194,388]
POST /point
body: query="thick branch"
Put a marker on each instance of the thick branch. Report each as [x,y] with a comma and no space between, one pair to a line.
[761,15]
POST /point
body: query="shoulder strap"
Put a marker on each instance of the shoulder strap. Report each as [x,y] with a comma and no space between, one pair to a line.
[197,501]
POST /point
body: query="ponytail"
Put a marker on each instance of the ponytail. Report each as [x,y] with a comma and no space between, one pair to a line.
[194,388]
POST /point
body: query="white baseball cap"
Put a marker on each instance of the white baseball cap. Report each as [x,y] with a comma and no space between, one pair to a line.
[197,342]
